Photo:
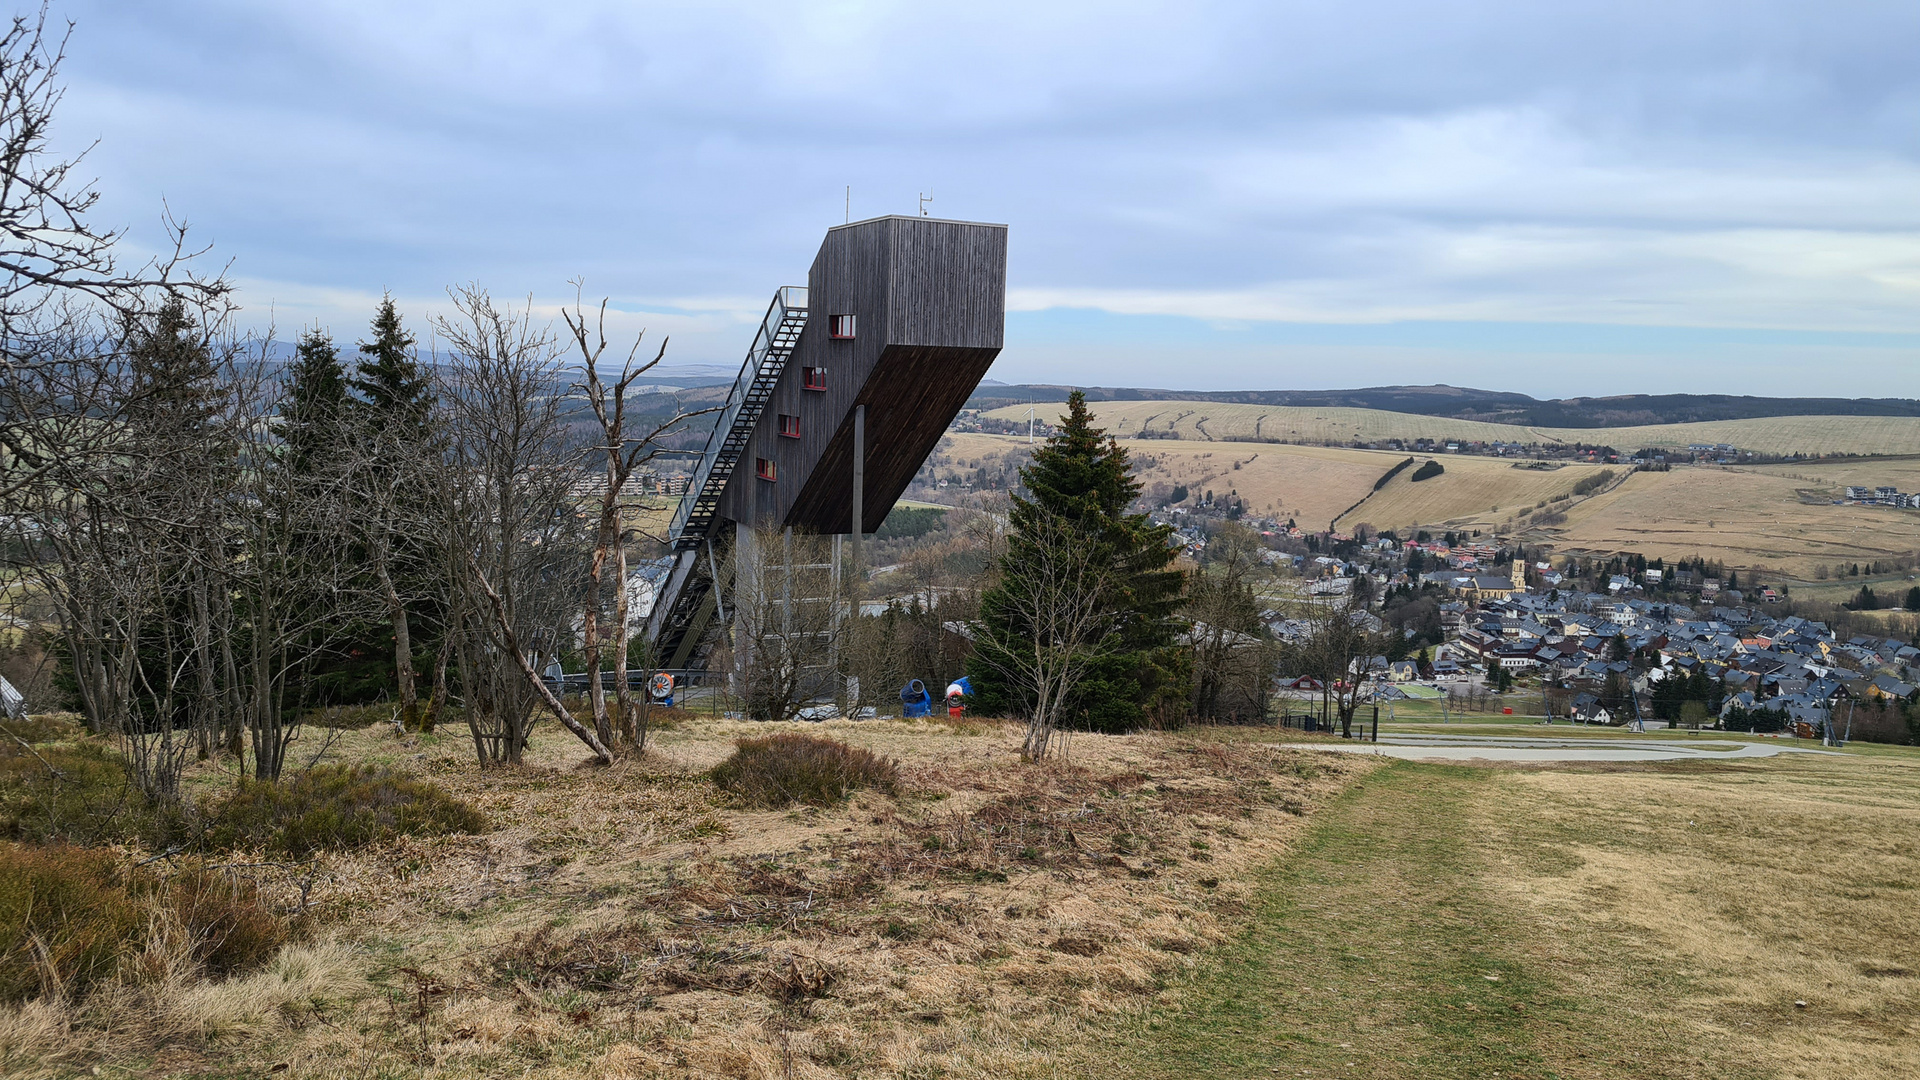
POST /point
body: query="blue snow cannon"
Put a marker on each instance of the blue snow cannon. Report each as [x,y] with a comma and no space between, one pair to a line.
[914,700]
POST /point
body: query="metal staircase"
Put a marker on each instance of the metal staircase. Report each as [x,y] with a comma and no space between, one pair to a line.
[687,600]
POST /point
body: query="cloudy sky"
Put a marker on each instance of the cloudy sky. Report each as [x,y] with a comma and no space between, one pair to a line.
[1556,198]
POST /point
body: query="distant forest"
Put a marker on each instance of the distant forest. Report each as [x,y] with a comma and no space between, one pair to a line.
[1491,406]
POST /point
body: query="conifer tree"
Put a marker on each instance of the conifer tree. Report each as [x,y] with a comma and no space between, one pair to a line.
[316,402]
[1082,479]
[393,389]
[395,409]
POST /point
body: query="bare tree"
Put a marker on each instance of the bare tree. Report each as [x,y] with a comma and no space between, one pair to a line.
[1336,654]
[63,292]
[1065,629]
[621,453]
[509,481]
[790,611]
[293,587]
[1233,655]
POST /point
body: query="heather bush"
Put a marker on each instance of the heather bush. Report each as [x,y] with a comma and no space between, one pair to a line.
[71,918]
[336,807]
[66,920]
[63,786]
[779,770]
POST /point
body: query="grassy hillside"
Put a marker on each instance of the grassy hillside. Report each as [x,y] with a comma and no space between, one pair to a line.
[1779,517]
[1474,492]
[1212,421]
[1310,484]
[1743,517]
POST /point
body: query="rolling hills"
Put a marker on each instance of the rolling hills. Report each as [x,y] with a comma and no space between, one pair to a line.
[1233,422]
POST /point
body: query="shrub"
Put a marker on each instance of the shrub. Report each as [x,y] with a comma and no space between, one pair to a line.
[75,791]
[1593,483]
[781,769]
[1391,473]
[70,917]
[334,807]
[228,925]
[65,920]
[1427,472]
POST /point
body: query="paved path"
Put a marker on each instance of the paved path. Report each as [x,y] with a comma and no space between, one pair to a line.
[1443,747]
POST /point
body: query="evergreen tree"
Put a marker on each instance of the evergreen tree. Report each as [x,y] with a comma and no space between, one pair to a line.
[395,408]
[393,389]
[1617,649]
[1913,598]
[1083,478]
[316,402]
[1613,694]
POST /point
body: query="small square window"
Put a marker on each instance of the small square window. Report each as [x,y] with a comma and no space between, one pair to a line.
[813,378]
[840,327]
[789,425]
[764,468]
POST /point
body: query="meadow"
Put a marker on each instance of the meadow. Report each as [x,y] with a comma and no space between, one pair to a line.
[1742,517]
[1745,919]
[1219,902]
[1210,421]
[1777,518]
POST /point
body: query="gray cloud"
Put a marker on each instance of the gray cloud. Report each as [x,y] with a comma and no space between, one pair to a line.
[1685,165]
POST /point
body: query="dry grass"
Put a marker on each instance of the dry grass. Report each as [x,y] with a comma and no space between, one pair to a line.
[1600,920]
[1779,518]
[1310,484]
[634,922]
[1474,492]
[1213,421]
[1758,887]
[1745,518]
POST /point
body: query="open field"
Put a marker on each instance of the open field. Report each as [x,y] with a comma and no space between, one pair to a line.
[1474,492]
[1307,483]
[1208,903]
[637,922]
[1211,421]
[1750,919]
[1313,484]
[1777,517]
[1743,517]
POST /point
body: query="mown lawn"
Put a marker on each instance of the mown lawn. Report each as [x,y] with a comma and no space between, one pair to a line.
[1588,921]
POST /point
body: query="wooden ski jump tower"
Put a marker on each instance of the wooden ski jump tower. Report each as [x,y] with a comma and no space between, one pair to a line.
[848,386]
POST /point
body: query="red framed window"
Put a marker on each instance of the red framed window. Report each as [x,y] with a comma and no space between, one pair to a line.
[840,327]
[813,378]
[763,468]
[790,425]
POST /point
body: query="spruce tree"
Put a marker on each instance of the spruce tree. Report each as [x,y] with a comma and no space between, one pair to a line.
[1083,477]
[316,402]
[393,389]
[395,410]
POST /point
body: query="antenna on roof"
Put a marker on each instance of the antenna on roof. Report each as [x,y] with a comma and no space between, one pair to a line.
[849,219]
[924,200]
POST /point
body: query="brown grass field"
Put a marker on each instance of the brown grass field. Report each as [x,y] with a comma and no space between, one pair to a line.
[1743,517]
[1773,517]
[1211,421]
[1208,903]
[1307,483]
[1474,492]
[635,922]
[1573,921]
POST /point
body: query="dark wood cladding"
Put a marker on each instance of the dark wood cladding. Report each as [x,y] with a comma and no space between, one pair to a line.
[911,397]
[929,301]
